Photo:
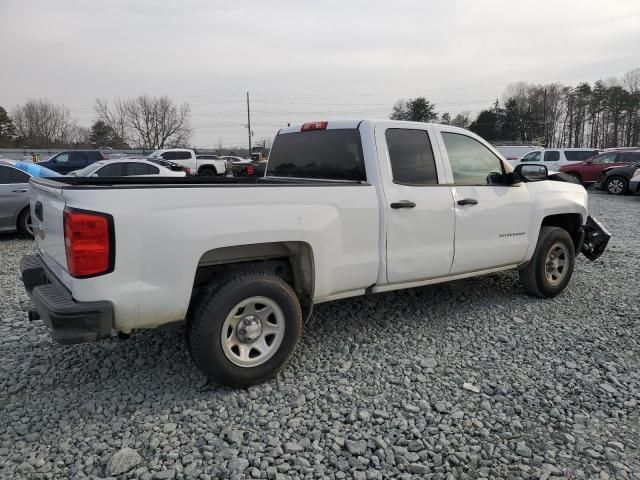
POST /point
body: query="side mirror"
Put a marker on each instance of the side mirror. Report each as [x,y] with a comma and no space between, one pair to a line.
[530,173]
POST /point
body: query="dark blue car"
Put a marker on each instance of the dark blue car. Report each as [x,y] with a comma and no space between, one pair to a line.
[65,162]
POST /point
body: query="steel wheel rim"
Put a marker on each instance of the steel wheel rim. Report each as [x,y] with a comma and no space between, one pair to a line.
[28,225]
[556,264]
[252,332]
[616,186]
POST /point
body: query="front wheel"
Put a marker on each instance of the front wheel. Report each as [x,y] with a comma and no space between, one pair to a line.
[616,186]
[247,330]
[550,269]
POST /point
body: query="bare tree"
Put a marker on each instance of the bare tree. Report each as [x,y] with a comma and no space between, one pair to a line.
[146,121]
[41,124]
[115,116]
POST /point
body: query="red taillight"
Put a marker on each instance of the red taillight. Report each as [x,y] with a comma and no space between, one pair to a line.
[88,241]
[103,156]
[314,126]
[250,170]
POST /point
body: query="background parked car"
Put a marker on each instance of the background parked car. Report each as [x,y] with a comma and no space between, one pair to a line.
[554,158]
[249,168]
[193,165]
[65,162]
[126,167]
[615,180]
[15,214]
[589,171]
[634,183]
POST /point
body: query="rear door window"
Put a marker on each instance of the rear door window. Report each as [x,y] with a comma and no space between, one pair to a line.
[10,175]
[630,157]
[183,155]
[134,168]
[112,170]
[411,157]
[78,159]
[579,155]
[606,158]
[551,156]
[170,155]
[322,154]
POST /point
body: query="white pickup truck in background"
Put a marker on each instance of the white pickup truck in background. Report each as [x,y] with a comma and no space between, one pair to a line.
[346,208]
[193,165]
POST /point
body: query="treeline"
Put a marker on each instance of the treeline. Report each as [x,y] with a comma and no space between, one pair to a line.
[605,114]
[144,121]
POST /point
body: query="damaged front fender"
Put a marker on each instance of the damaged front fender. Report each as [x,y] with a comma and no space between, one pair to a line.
[596,238]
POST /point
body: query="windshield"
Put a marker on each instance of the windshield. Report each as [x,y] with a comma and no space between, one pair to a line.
[89,169]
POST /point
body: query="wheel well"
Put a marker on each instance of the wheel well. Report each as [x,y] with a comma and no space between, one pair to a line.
[20,215]
[208,167]
[291,261]
[571,222]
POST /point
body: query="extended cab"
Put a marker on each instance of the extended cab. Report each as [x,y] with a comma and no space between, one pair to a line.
[204,165]
[346,208]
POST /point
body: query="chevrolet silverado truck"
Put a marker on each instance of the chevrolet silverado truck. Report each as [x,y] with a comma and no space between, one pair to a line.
[345,208]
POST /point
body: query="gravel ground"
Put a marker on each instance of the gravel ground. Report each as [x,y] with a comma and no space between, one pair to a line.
[465,380]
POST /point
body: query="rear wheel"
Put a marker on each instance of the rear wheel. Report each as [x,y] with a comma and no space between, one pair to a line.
[550,269]
[24,223]
[247,330]
[617,185]
[207,172]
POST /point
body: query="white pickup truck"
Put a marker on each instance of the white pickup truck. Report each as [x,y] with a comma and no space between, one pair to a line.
[346,208]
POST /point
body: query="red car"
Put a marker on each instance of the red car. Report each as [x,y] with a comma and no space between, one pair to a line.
[588,172]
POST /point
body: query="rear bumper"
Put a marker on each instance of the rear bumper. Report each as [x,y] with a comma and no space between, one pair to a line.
[70,321]
[596,238]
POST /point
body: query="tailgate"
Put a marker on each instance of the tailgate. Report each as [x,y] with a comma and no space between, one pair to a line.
[47,207]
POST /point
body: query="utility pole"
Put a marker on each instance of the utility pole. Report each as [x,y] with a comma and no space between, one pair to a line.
[249,123]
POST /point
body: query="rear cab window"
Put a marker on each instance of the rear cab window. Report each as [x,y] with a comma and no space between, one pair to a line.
[332,154]
[411,157]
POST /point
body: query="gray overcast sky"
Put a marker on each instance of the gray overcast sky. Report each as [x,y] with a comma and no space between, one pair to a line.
[304,60]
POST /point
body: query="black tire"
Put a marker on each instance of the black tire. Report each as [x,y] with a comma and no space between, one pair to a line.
[534,277]
[208,172]
[575,176]
[204,330]
[24,223]
[616,185]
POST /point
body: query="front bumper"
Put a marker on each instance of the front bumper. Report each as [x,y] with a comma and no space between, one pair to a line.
[70,321]
[596,238]
[634,186]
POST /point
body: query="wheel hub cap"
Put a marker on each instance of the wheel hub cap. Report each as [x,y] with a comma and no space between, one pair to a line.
[556,264]
[249,329]
[253,331]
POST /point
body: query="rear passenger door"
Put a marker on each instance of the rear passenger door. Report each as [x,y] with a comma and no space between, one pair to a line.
[418,204]
[491,217]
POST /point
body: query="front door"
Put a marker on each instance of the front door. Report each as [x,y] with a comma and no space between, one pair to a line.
[418,204]
[491,217]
